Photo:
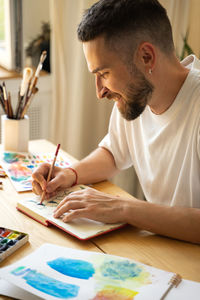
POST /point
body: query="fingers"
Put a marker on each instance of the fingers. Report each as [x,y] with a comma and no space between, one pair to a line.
[64,205]
[75,214]
[59,181]
[92,204]
[36,188]
[39,181]
[78,204]
[67,206]
[82,196]
[71,196]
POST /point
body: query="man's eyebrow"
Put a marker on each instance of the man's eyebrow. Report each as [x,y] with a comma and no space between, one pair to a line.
[98,69]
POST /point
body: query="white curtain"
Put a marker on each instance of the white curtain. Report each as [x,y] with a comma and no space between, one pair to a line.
[178,13]
[79,120]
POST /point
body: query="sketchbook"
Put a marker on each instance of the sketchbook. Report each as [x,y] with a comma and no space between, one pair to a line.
[54,272]
[20,166]
[81,228]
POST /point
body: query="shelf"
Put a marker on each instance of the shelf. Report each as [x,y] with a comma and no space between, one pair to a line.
[6,74]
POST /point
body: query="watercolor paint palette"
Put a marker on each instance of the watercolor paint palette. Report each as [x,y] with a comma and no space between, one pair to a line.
[10,241]
[54,272]
[19,167]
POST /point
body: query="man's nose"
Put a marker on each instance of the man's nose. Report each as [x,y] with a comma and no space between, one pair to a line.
[101,90]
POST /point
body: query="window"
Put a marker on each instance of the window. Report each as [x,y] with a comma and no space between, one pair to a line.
[2,24]
[11,34]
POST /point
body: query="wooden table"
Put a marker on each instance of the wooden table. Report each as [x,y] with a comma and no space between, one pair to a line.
[157,251]
[151,249]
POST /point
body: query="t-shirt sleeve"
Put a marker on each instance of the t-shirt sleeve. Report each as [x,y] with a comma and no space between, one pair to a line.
[116,140]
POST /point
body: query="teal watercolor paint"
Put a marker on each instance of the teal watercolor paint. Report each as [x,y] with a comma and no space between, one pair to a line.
[72,267]
[52,201]
[20,271]
[120,270]
[82,187]
[18,179]
[51,286]
[10,157]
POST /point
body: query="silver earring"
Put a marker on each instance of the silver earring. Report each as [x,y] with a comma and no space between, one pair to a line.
[150,71]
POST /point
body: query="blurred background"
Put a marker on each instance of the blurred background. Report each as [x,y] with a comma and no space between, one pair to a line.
[66,109]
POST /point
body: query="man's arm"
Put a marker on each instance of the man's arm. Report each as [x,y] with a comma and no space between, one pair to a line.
[176,222]
[96,167]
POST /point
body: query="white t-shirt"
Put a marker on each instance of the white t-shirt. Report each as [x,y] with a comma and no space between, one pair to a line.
[164,149]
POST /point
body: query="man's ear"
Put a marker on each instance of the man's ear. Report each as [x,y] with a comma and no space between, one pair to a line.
[146,56]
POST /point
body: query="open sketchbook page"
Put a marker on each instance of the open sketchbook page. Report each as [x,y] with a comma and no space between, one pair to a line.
[54,272]
[81,228]
[20,166]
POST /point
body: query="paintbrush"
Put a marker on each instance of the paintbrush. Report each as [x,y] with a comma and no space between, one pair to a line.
[37,72]
[2,98]
[10,110]
[5,96]
[27,74]
[28,102]
[174,282]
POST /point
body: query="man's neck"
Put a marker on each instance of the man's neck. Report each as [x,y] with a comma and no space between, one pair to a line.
[168,82]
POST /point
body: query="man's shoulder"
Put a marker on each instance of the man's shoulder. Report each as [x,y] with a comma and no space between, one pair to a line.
[191,62]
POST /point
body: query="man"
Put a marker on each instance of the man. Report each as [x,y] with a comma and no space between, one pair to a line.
[154,126]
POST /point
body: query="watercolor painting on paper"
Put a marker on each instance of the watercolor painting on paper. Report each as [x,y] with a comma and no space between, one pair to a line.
[54,272]
[19,167]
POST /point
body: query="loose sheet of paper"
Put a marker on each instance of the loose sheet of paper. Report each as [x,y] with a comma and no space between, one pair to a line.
[10,290]
[20,166]
[54,272]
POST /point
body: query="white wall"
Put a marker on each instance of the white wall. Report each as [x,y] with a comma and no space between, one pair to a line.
[39,110]
[34,13]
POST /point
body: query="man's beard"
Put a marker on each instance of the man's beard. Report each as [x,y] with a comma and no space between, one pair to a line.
[136,97]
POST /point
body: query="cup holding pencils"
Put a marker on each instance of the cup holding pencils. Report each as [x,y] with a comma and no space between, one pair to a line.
[15,124]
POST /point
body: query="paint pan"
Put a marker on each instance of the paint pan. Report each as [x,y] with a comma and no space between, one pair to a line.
[10,241]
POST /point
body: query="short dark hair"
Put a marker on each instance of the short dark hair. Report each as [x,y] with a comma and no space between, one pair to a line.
[137,20]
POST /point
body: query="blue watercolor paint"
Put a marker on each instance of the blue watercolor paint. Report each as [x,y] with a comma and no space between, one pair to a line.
[120,270]
[72,267]
[30,166]
[18,179]
[51,286]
